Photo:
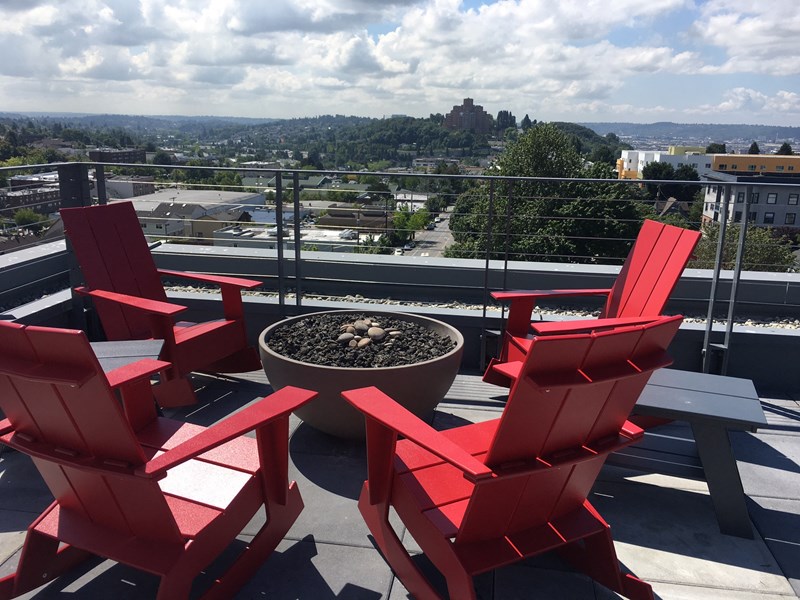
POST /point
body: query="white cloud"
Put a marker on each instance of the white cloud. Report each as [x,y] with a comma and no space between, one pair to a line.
[756,37]
[299,57]
[744,100]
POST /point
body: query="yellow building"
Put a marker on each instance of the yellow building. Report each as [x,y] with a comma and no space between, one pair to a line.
[678,150]
[749,164]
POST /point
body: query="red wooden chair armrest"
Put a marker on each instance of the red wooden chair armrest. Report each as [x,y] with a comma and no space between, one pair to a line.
[135,371]
[382,409]
[578,326]
[6,427]
[221,280]
[231,288]
[522,303]
[145,305]
[512,295]
[510,369]
[263,412]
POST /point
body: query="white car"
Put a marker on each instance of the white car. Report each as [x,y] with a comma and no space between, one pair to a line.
[398,252]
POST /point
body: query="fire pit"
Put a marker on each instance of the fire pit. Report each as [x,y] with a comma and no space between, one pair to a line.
[411,358]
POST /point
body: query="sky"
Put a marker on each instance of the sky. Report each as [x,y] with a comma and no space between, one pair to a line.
[687,61]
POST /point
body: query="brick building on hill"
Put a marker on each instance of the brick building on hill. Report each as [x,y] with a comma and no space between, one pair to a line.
[469,117]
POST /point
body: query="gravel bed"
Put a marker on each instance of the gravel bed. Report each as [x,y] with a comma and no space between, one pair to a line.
[358,340]
[543,313]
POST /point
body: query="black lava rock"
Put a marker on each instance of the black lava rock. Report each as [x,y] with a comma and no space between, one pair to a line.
[318,339]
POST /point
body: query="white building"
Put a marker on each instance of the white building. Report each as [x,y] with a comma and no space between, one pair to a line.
[169,212]
[318,240]
[774,202]
[632,162]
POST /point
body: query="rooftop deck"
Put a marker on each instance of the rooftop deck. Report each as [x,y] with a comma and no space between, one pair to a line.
[664,527]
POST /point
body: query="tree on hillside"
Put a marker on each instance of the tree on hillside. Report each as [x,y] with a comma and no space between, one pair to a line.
[545,220]
[754,149]
[785,149]
[665,171]
[603,154]
[405,223]
[505,120]
[715,148]
[162,158]
[762,251]
[26,217]
[526,123]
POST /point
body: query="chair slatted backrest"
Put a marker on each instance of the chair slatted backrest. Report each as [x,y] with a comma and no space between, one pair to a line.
[564,413]
[114,256]
[651,270]
[58,400]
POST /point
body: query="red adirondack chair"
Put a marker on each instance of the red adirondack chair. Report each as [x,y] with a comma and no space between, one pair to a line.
[160,495]
[126,288]
[489,494]
[647,278]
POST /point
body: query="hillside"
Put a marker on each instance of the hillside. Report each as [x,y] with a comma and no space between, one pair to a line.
[697,131]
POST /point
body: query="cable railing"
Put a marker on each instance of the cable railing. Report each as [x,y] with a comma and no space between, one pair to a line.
[293,213]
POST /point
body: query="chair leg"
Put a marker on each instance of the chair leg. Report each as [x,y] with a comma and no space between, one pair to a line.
[279,520]
[174,586]
[41,561]
[171,393]
[241,361]
[595,555]
[376,518]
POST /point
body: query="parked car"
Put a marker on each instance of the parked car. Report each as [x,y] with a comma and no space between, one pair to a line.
[398,252]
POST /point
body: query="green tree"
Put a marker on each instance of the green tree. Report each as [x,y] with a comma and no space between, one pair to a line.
[526,123]
[505,120]
[603,154]
[28,218]
[754,149]
[546,220]
[665,171]
[716,148]
[162,158]
[405,223]
[785,149]
[762,251]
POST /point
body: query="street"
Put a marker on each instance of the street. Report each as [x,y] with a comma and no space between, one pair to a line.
[432,242]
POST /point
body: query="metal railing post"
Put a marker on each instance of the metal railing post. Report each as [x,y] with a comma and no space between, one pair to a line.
[715,278]
[489,238]
[75,190]
[100,178]
[737,272]
[279,247]
[297,240]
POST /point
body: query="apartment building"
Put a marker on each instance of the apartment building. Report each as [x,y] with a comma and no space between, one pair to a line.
[111,155]
[757,164]
[632,162]
[469,117]
[774,203]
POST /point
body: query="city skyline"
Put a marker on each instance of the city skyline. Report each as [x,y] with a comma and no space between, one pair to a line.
[714,61]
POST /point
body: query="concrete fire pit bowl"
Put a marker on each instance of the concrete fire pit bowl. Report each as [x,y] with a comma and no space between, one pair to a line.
[419,387]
